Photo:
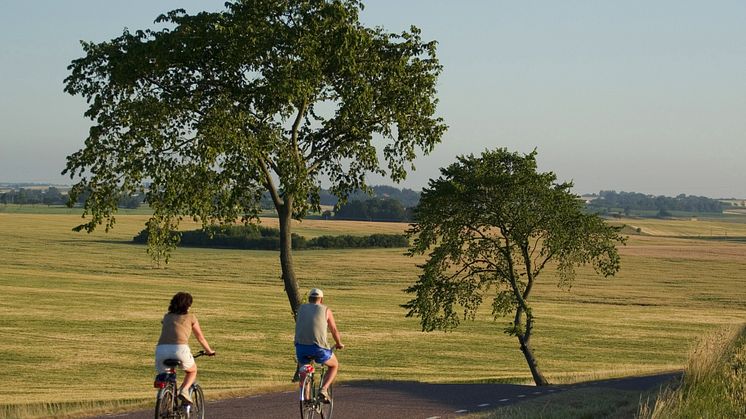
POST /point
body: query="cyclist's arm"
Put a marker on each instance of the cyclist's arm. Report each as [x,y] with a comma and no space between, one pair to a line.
[201,337]
[333,328]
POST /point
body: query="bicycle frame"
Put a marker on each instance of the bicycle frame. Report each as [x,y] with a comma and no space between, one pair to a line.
[311,402]
[168,404]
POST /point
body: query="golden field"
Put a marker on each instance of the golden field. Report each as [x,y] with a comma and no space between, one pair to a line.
[80,313]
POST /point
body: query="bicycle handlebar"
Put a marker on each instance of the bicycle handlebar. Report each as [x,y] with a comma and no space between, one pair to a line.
[203,353]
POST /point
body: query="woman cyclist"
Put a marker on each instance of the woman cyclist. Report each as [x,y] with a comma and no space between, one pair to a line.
[178,325]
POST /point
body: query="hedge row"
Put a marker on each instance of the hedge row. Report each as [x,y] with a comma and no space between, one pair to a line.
[356,242]
[266,238]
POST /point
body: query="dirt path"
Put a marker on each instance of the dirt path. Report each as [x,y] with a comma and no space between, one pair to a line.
[408,400]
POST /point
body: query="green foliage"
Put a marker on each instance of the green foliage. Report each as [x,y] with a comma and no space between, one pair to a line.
[267,238]
[231,237]
[493,223]
[264,96]
[374,209]
[356,242]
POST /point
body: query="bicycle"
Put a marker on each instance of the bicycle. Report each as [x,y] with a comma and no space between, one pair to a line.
[168,405]
[311,401]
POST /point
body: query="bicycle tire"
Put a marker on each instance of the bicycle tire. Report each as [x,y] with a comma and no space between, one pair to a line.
[327,408]
[164,402]
[198,403]
[307,398]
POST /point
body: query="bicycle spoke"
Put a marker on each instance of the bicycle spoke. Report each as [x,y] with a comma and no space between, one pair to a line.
[307,408]
[198,407]
[164,406]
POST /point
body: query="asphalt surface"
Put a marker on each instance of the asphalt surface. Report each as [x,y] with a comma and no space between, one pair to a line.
[393,400]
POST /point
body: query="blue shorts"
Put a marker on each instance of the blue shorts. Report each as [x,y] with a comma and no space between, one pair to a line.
[306,353]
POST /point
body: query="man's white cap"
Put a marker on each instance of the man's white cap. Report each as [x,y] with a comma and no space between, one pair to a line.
[315,292]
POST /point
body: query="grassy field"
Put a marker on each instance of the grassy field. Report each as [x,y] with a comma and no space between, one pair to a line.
[79,313]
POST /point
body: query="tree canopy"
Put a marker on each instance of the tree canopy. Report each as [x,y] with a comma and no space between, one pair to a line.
[268,95]
[490,225]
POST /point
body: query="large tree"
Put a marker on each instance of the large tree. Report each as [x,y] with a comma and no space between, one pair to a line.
[267,95]
[490,225]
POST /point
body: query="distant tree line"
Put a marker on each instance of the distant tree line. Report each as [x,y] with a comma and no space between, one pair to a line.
[374,209]
[254,237]
[54,196]
[360,209]
[408,198]
[632,201]
[24,196]
[388,203]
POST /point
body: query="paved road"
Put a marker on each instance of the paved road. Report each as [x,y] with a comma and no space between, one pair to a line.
[393,400]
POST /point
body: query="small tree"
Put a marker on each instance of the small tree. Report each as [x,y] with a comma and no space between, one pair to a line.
[269,95]
[492,224]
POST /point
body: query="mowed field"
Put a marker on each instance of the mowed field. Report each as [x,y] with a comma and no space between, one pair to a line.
[80,313]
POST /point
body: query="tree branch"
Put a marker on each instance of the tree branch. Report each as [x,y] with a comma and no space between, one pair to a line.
[270,184]
[296,126]
[469,266]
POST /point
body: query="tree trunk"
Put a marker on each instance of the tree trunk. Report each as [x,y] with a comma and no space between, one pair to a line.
[532,364]
[286,257]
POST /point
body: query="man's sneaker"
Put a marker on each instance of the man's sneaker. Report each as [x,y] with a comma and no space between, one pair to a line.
[325,397]
[184,395]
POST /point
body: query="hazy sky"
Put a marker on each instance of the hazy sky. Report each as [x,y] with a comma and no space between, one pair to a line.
[639,96]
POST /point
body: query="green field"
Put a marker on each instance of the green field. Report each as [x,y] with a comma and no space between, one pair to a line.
[80,313]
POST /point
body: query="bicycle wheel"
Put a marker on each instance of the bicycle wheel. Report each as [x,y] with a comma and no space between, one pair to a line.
[198,403]
[164,403]
[307,408]
[327,408]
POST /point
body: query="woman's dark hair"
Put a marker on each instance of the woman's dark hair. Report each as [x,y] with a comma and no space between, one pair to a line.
[180,303]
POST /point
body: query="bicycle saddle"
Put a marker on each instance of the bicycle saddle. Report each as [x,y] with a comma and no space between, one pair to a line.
[171,362]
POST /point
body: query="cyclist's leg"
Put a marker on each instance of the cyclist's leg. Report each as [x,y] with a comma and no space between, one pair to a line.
[190,377]
[189,366]
[332,365]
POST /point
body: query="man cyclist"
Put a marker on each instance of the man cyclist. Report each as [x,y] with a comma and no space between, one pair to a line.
[312,324]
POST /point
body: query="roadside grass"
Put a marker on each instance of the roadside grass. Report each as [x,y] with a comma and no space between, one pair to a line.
[80,314]
[68,410]
[714,383]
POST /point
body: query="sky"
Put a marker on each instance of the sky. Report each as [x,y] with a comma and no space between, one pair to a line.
[636,96]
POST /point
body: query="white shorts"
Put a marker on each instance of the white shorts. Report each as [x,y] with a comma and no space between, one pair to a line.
[181,352]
